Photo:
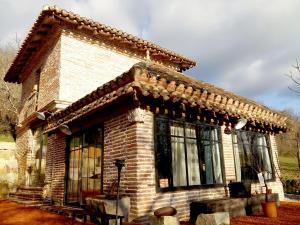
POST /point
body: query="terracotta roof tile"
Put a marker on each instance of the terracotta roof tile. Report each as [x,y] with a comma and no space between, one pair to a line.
[158,81]
[53,15]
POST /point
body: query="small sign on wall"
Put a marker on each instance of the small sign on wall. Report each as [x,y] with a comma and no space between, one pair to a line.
[163,183]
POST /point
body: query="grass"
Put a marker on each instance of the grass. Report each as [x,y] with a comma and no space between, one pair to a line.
[6,138]
[289,167]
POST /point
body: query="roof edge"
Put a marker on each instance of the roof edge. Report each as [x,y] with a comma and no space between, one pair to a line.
[53,15]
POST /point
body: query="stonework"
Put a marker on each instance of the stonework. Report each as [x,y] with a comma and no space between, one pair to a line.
[8,168]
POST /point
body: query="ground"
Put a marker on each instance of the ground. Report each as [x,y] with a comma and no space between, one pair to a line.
[16,214]
[288,214]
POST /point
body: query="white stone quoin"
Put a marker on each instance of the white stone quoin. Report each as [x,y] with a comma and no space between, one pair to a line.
[164,220]
[218,218]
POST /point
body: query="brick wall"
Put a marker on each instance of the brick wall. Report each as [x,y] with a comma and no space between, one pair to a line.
[134,143]
[27,104]
[119,143]
[86,65]
[228,156]
[49,76]
[56,166]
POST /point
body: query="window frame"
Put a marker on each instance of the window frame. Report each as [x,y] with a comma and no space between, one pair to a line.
[69,140]
[268,146]
[197,125]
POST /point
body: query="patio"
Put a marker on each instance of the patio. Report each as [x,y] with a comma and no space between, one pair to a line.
[17,214]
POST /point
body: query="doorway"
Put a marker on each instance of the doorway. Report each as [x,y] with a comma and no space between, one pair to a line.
[84,165]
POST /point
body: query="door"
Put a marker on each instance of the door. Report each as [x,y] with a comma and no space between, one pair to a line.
[84,165]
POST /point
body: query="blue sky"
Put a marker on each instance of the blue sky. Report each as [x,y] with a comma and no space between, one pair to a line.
[243,46]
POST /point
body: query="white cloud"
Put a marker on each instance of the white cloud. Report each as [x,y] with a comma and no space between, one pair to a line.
[244,46]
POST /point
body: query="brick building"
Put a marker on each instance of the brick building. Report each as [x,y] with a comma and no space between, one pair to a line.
[124,97]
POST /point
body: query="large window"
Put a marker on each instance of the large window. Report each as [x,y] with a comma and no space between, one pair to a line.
[187,154]
[84,165]
[251,155]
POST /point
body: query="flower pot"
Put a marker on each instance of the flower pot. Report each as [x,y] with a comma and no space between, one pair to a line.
[269,209]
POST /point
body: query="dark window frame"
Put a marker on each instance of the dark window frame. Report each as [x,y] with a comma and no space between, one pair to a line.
[69,140]
[197,125]
[253,177]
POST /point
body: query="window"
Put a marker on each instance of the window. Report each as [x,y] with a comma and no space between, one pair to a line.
[84,165]
[187,154]
[251,155]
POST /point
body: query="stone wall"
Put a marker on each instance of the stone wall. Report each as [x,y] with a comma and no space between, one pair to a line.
[23,147]
[8,168]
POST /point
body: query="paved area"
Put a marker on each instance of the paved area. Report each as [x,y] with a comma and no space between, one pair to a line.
[16,214]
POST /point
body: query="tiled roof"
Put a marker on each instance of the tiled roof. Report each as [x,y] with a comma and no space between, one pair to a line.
[156,81]
[51,16]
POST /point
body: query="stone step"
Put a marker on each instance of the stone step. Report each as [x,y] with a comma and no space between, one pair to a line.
[31,195]
[27,202]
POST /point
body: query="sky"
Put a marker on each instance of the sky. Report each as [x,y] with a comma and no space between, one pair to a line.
[245,46]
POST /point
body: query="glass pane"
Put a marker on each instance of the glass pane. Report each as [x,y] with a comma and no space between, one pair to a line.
[205,132]
[177,129]
[208,165]
[237,161]
[178,159]
[162,126]
[216,156]
[265,156]
[193,162]
[190,131]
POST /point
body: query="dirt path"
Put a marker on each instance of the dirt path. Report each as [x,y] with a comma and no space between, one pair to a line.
[288,214]
[17,214]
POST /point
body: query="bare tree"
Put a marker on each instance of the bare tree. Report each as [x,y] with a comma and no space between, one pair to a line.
[9,92]
[295,78]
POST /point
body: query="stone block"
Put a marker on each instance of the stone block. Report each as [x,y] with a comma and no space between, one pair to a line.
[164,220]
[219,218]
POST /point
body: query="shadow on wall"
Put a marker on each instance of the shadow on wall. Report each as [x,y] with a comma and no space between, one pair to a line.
[8,169]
